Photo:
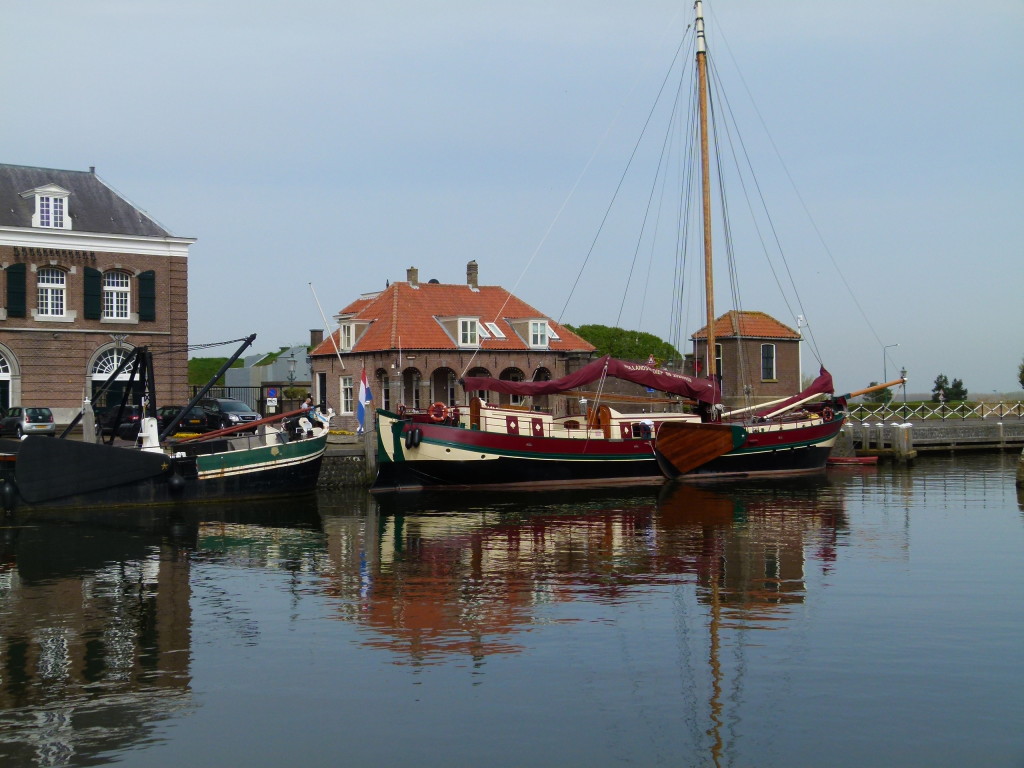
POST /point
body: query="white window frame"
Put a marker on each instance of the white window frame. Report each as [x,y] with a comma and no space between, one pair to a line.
[51,292]
[539,334]
[117,295]
[51,210]
[496,332]
[347,336]
[469,332]
[348,395]
[774,363]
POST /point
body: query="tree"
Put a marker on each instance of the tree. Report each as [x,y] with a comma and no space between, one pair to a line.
[954,391]
[626,345]
[1020,374]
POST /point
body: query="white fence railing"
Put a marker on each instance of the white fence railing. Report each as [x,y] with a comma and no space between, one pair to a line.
[934,411]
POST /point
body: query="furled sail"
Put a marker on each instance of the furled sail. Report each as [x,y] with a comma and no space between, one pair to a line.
[704,390]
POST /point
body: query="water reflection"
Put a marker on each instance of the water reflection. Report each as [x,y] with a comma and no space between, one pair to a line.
[96,622]
[437,575]
[97,619]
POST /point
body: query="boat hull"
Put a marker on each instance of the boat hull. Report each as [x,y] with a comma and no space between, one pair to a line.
[447,456]
[775,451]
[259,472]
[414,455]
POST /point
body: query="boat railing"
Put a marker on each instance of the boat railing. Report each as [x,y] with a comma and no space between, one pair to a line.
[606,423]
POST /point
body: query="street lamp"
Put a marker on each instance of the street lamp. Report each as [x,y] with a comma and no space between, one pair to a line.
[885,376]
[291,369]
[903,375]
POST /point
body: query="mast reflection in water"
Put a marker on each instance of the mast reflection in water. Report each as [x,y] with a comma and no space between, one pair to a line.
[766,624]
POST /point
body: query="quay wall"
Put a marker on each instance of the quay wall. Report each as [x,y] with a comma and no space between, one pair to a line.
[938,436]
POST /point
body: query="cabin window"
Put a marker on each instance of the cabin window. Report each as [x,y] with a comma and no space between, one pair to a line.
[348,399]
[117,294]
[539,334]
[468,332]
[51,285]
[768,362]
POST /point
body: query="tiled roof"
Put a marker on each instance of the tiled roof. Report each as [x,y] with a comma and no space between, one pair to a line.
[404,316]
[92,206]
[749,324]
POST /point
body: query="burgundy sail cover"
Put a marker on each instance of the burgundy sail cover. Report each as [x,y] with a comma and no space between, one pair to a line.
[820,386]
[655,378]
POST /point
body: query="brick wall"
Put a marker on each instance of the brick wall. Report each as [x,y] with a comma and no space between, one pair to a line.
[50,359]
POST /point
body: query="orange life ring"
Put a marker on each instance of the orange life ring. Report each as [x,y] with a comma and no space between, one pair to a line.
[438,412]
[827,414]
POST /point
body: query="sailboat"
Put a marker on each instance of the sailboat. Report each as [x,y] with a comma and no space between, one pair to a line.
[512,446]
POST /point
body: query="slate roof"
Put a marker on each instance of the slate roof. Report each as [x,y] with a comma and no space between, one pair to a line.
[406,317]
[748,324]
[92,205]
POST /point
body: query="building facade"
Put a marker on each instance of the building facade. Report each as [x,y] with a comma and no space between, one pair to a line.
[85,277]
[416,340]
[752,350]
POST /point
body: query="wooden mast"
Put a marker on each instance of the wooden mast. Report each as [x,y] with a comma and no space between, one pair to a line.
[705,167]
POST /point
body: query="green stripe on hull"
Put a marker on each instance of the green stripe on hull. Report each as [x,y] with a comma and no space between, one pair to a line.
[258,459]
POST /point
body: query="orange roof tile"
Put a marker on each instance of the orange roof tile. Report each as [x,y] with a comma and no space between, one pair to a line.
[749,324]
[403,316]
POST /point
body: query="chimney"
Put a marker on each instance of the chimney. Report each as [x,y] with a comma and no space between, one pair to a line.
[316,336]
[413,276]
[472,275]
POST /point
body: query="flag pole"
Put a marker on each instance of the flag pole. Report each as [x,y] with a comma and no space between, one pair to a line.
[327,326]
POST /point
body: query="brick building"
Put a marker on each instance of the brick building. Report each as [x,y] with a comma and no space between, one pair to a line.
[755,349]
[416,340]
[84,278]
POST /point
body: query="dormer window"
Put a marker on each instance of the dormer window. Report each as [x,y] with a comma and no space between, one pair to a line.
[469,335]
[51,209]
[539,334]
[347,336]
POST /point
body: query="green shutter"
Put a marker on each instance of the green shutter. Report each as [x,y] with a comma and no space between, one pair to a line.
[16,290]
[93,294]
[147,295]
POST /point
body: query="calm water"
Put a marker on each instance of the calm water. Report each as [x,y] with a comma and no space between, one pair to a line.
[872,618]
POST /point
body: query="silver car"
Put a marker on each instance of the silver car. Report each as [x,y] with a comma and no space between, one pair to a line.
[19,422]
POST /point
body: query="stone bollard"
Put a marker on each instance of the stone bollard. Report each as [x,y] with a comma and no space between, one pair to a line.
[903,443]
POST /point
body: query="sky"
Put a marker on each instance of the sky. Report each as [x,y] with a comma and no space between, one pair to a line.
[337,144]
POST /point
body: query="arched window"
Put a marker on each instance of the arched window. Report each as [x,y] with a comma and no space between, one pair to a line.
[51,285]
[102,371]
[108,362]
[482,373]
[5,382]
[117,295]
[512,374]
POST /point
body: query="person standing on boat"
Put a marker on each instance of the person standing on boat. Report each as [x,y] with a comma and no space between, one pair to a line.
[307,403]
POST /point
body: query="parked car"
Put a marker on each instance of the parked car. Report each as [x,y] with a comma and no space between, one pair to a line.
[129,421]
[27,421]
[230,412]
[198,419]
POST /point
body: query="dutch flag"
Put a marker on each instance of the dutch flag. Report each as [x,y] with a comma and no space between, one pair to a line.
[365,398]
